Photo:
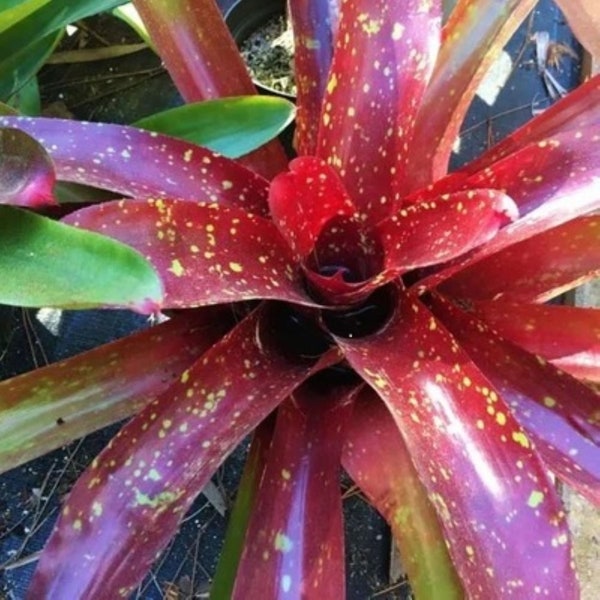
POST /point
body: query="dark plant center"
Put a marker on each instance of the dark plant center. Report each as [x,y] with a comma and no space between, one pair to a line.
[365,318]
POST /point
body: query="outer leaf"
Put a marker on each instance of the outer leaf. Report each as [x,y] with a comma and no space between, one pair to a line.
[304,199]
[473,37]
[383,58]
[314,25]
[377,459]
[47,408]
[567,336]
[129,14]
[205,254]
[229,126]
[223,581]
[43,263]
[14,11]
[295,544]
[26,171]
[25,45]
[552,181]
[457,429]
[128,504]
[432,232]
[561,414]
[537,269]
[203,60]
[584,19]
[105,156]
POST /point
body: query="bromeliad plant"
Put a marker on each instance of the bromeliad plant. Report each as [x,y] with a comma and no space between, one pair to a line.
[363,307]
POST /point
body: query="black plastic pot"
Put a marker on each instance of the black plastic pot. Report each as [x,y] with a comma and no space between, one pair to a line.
[244,17]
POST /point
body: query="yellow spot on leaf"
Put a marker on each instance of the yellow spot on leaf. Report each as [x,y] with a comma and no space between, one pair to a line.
[176,268]
[535,499]
[521,438]
[282,542]
[236,267]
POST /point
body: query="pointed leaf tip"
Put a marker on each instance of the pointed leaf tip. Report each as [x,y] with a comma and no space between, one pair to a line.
[26,171]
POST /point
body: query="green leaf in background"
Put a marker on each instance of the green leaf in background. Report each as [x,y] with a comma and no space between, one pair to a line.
[45,263]
[27,100]
[16,10]
[26,42]
[231,126]
[128,13]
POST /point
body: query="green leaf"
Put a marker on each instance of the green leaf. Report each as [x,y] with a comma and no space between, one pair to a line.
[17,10]
[27,100]
[44,263]
[230,126]
[128,13]
[25,45]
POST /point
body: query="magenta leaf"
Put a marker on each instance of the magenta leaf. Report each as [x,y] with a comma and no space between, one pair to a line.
[128,504]
[536,269]
[203,61]
[304,199]
[474,459]
[49,407]
[383,57]
[205,254]
[439,230]
[542,329]
[561,415]
[26,171]
[314,25]
[294,545]
[105,156]
[473,37]
[377,459]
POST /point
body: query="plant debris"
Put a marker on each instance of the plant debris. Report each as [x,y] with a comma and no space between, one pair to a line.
[269,55]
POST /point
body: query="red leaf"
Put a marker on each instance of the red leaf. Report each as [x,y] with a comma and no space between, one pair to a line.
[431,232]
[383,57]
[26,171]
[314,24]
[294,544]
[49,407]
[475,461]
[377,459]
[561,414]
[205,254]
[578,110]
[536,269]
[473,38]
[203,60]
[128,504]
[567,336]
[105,156]
[304,199]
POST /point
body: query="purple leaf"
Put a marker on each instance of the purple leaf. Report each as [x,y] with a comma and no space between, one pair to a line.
[205,254]
[383,57]
[478,466]
[561,415]
[128,504]
[294,544]
[105,156]
[26,171]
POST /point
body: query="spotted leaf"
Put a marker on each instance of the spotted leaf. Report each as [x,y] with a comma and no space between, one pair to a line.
[304,199]
[475,461]
[567,336]
[128,504]
[49,407]
[26,171]
[561,415]
[383,57]
[205,254]
[105,156]
[376,458]
[294,545]
[473,38]
[314,25]
[441,229]
[203,61]
[536,269]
